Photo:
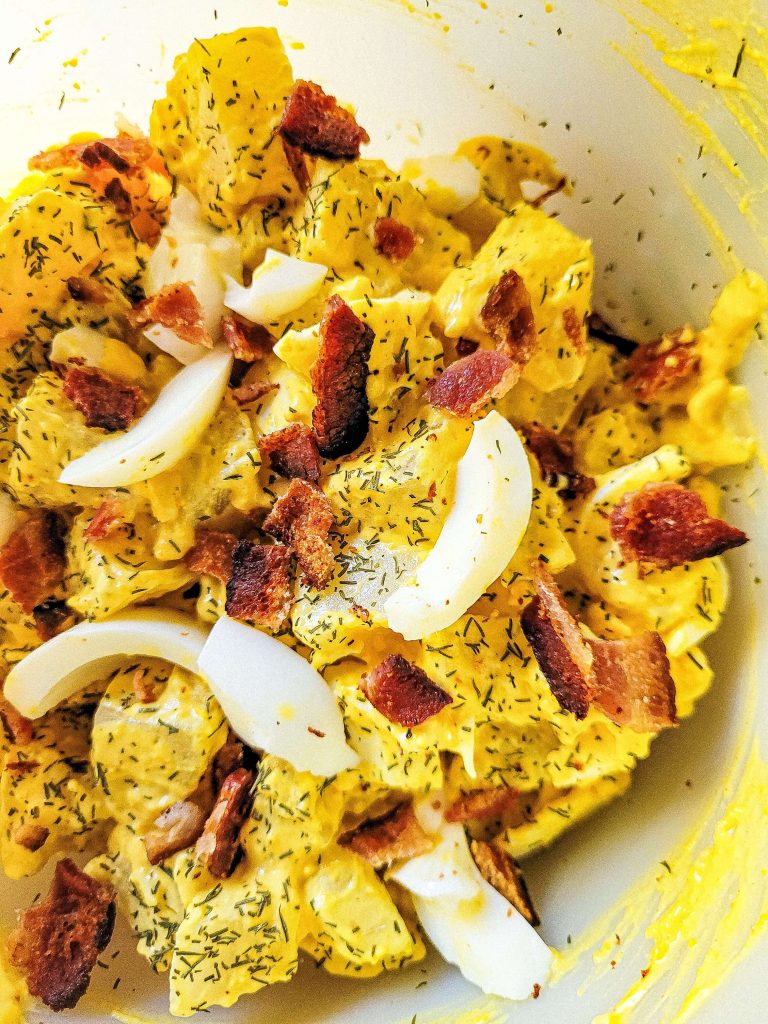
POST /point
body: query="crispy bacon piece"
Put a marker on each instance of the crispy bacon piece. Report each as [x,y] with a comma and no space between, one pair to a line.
[252,391]
[104,401]
[88,289]
[662,365]
[314,123]
[664,525]
[393,239]
[298,164]
[339,377]
[107,518]
[51,617]
[176,307]
[555,458]
[143,686]
[504,874]
[302,518]
[18,728]
[32,562]
[217,847]
[59,939]
[628,679]
[469,384]
[249,342]
[259,588]
[177,828]
[212,553]
[397,836]
[228,758]
[482,804]
[32,837]
[506,315]
[402,692]
[122,154]
[292,452]
[574,329]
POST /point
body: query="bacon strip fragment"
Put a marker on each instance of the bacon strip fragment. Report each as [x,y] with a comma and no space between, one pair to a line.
[393,239]
[17,728]
[507,316]
[218,846]
[177,828]
[260,589]
[251,391]
[176,307]
[32,561]
[664,525]
[316,124]
[628,680]
[555,458]
[504,874]
[302,518]
[469,384]
[662,365]
[292,452]
[574,328]
[212,554]
[104,401]
[249,342]
[51,617]
[107,519]
[482,804]
[298,164]
[59,939]
[403,692]
[31,837]
[229,757]
[396,836]
[339,377]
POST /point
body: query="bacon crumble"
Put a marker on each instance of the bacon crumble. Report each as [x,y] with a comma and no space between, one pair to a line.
[218,845]
[260,587]
[249,342]
[32,837]
[403,692]
[555,458]
[302,518]
[212,553]
[228,758]
[393,239]
[292,452]
[396,836]
[176,829]
[298,165]
[252,391]
[51,617]
[339,376]
[469,384]
[107,519]
[573,327]
[665,525]
[104,401]
[507,316]
[662,365]
[17,728]
[32,560]
[483,804]
[504,874]
[316,124]
[176,307]
[59,939]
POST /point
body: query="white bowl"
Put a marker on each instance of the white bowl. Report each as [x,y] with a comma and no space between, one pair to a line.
[566,79]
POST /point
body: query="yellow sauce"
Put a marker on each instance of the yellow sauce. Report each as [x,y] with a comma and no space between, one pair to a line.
[13,996]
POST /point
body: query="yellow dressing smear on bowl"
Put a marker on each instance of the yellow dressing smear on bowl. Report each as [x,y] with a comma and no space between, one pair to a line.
[13,993]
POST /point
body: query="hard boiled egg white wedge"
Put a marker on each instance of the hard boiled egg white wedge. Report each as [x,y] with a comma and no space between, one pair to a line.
[61,667]
[489,515]
[164,434]
[274,699]
[449,183]
[279,284]
[468,921]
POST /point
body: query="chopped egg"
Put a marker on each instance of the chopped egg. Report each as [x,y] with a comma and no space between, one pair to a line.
[279,284]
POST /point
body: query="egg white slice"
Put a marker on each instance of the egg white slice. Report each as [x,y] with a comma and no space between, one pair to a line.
[487,520]
[449,183]
[279,284]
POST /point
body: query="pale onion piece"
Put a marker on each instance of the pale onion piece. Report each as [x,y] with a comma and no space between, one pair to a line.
[8,517]
[274,699]
[449,183]
[279,284]
[99,350]
[63,666]
[486,522]
[164,434]
[168,341]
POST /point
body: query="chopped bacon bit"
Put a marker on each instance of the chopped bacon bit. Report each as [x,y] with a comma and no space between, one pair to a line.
[259,588]
[176,307]
[212,554]
[21,766]
[107,518]
[469,384]
[228,758]
[251,392]
[292,452]
[122,154]
[249,342]
[59,939]
[555,458]
[507,317]
[628,679]
[298,164]
[397,836]
[466,346]
[117,194]
[31,837]
[600,328]
[88,289]
[393,239]
[315,123]
[51,617]
[402,692]
[482,804]
[18,728]
[217,847]
[362,613]
[339,377]
[302,518]
[104,401]
[662,365]
[143,686]
[504,874]
[574,328]
[32,562]
[536,990]
[177,828]
[664,525]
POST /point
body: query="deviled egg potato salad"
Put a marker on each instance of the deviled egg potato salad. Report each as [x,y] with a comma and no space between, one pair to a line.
[347,558]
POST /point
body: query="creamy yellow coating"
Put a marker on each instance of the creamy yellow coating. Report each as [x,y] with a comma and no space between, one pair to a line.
[13,992]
